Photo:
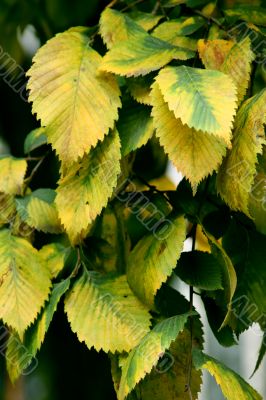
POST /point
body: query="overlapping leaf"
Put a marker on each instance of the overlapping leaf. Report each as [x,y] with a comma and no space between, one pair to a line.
[200,269]
[84,191]
[135,126]
[54,256]
[12,174]
[38,210]
[146,354]
[153,259]
[231,58]
[135,52]
[25,282]
[20,356]
[109,316]
[35,139]
[236,175]
[194,153]
[74,101]
[204,100]
[232,385]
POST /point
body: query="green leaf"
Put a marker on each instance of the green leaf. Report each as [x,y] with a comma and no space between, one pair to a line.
[154,258]
[168,379]
[135,126]
[25,282]
[249,302]
[75,102]
[199,269]
[12,174]
[204,100]
[194,153]
[146,20]
[179,27]
[88,184]
[231,384]
[249,13]
[262,352]
[147,353]
[35,139]
[38,210]
[257,197]
[34,336]
[141,54]
[105,314]
[55,256]
[229,278]
[236,175]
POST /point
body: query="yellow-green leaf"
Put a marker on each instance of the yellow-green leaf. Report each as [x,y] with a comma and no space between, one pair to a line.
[35,139]
[146,20]
[140,89]
[12,172]
[142,54]
[236,175]
[25,282]
[54,256]
[233,59]
[87,186]
[153,259]
[105,314]
[249,13]
[116,27]
[229,278]
[257,198]
[38,210]
[232,385]
[180,27]
[74,101]
[7,208]
[194,153]
[20,356]
[146,354]
[204,100]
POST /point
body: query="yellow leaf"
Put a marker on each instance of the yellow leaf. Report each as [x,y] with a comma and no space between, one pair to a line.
[236,175]
[87,186]
[74,101]
[204,100]
[12,172]
[54,255]
[213,52]
[109,316]
[24,282]
[194,153]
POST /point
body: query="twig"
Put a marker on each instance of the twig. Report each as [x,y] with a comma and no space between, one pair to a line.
[191,293]
[33,172]
[77,265]
[131,5]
